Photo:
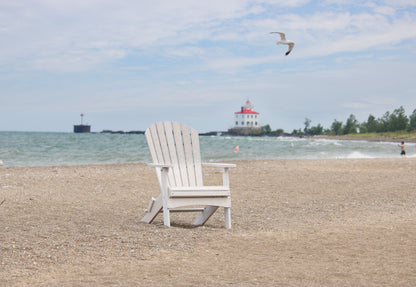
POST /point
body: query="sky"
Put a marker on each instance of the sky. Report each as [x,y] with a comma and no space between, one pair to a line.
[127,64]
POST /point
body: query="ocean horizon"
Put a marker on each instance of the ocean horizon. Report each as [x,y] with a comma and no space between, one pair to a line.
[23,149]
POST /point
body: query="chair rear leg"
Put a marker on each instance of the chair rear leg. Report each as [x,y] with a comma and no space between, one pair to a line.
[205,215]
[153,212]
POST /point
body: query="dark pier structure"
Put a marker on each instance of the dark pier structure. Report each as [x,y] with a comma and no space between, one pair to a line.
[82,128]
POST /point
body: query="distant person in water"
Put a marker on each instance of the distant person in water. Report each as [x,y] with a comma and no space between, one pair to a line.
[403,152]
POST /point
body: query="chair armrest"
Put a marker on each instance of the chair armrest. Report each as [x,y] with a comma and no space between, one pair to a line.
[216,164]
[159,165]
[225,171]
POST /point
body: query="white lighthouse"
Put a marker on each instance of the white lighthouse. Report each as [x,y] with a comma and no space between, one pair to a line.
[246,117]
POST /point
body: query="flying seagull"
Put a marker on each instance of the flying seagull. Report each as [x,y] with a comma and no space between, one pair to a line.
[284,41]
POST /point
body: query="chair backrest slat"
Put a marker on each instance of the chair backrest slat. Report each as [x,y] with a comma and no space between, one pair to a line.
[196,157]
[172,148]
[188,155]
[165,150]
[154,147]
[177,131]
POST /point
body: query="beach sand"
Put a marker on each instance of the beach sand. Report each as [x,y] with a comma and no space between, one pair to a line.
[346,222]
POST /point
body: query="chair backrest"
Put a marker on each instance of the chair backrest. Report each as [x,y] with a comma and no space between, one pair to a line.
[176,144]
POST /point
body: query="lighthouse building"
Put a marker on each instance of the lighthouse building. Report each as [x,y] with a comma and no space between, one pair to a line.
[246,117]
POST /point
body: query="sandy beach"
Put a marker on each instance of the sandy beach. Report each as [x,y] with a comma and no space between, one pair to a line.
[345,222]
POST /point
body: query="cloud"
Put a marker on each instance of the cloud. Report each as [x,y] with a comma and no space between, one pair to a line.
[77,35]
[101,31]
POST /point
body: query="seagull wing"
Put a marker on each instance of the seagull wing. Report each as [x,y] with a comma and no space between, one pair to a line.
[282,35]
[291,45]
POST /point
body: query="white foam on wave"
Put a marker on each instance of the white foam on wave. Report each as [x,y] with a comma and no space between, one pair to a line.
[290,139]
[325,142]
[357,154]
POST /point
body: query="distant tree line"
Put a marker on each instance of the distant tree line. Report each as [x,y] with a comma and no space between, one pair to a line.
[389,122]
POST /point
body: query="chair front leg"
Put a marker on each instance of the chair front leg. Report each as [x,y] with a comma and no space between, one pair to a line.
[227,210]
[164,188]
[225,177]
[227,216]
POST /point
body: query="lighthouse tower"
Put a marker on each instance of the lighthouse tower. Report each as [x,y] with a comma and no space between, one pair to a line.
[246,117]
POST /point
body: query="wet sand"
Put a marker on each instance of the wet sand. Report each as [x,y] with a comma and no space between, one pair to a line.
[349,222]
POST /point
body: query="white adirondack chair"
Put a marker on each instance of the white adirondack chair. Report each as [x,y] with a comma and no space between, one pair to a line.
[174,148]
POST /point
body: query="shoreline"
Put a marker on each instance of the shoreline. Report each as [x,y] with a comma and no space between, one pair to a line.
[236,161]
[294,222]
[371,139]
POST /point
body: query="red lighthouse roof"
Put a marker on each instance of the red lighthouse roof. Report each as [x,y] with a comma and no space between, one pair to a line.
[247,109]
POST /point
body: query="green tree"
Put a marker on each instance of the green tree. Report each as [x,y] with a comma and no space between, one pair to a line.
[363,128]
[412,120]
[336,127]
[384,125]
[296,132]
[307,124]
[398,120]
[266,129]
[279,131]
[351,125]
[317,130]
[371,124]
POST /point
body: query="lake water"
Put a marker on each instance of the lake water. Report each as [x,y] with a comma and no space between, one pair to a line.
[56,149]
